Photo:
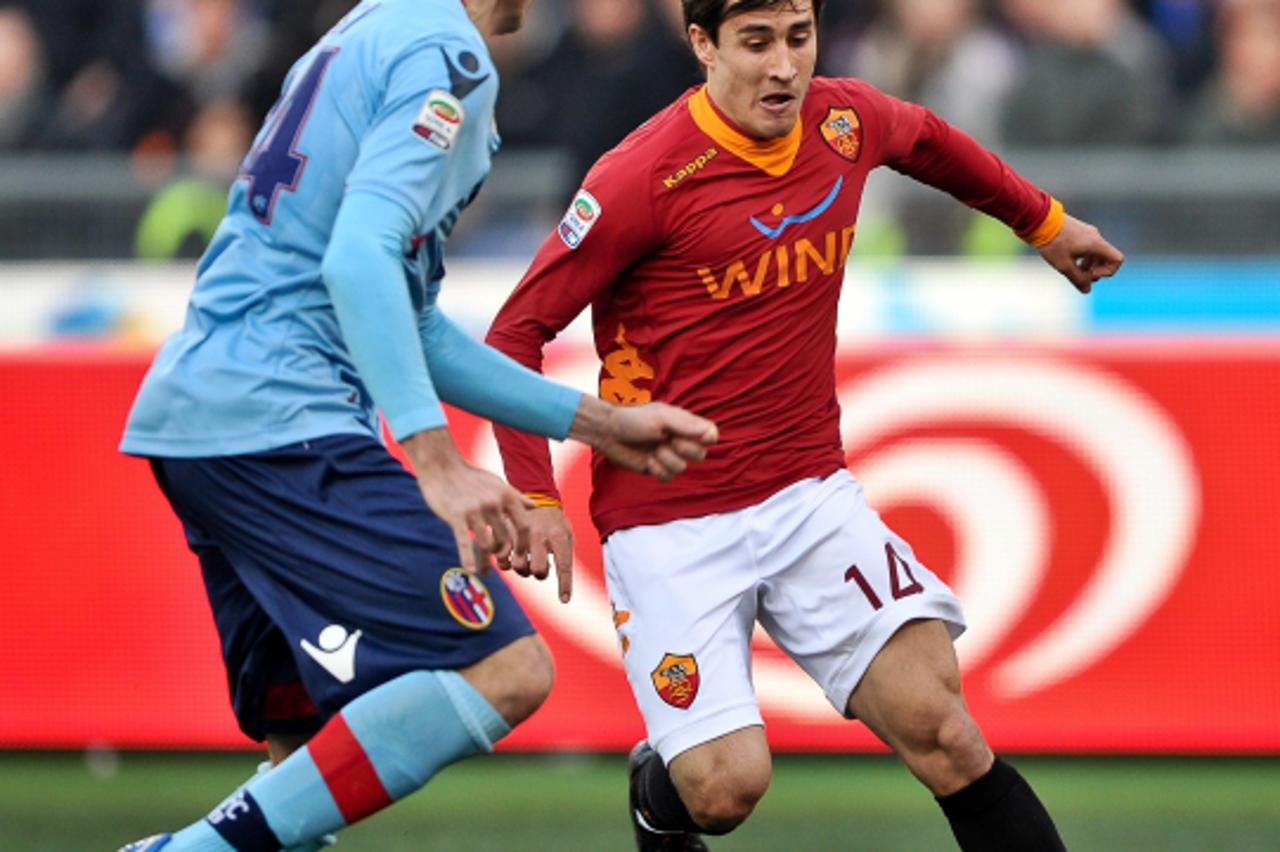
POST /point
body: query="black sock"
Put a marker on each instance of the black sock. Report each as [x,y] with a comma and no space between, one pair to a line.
[1000,813]
[658,800]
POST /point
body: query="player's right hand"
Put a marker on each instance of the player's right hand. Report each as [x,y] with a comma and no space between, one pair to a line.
[654,438]
[487,516]
[550,541]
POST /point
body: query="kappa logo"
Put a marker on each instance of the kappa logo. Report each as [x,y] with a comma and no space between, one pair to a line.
[692,167]
[335,651]
[440,119]
[676,680]
[580,218]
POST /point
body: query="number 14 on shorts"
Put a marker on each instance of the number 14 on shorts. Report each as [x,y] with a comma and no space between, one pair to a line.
[902,583]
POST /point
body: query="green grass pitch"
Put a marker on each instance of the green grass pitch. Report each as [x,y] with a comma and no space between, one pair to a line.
[67,802]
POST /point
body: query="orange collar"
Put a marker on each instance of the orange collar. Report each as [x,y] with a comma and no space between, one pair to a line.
[774,156]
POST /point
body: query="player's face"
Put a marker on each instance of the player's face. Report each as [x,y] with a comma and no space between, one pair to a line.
[759,72]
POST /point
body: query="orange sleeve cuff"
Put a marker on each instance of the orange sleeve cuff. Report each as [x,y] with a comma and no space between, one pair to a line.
[543,501]
[1047,230]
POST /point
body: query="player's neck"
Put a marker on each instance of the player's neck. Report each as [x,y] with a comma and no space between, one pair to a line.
[774,156]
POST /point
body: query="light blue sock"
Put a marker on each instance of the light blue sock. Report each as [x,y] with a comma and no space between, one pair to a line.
[381,747]
[202,836]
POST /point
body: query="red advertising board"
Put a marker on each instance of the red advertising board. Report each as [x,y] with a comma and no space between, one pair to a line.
[1107,514]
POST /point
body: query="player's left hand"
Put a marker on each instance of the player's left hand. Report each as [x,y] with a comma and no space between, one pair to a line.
[1081,254]
[550,542]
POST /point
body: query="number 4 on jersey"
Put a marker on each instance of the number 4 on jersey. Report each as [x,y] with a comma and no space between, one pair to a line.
[899,571]
[276,165]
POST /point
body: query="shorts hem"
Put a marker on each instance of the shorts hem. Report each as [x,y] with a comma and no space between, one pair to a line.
[945,608]
[704,729]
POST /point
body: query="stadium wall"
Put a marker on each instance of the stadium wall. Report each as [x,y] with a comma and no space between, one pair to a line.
[1100,491]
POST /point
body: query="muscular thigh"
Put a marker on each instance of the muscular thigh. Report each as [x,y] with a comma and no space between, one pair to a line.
[916,668]
[683,595]
[333,542]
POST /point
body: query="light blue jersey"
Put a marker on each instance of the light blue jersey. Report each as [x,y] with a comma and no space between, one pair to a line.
[395,104]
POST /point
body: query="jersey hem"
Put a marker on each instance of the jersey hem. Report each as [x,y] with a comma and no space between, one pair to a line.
[697,505]
[206,446]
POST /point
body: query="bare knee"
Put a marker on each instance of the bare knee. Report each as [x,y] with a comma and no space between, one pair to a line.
[515,679]
[721,803]
[943,746]
[721,789]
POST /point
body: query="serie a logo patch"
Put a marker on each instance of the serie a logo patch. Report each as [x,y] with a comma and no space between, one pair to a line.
[581,216]
[676,680]
[842,129]
[466,598]
[440,119]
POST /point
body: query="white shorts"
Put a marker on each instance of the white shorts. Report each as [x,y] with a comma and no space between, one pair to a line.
[814,564]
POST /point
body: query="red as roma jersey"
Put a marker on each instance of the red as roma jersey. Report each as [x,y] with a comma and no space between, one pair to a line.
[713,263]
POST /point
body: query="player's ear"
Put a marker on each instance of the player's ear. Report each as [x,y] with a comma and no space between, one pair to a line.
[703,47]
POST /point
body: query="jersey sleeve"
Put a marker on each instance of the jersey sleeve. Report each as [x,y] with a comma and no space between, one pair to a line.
[610,224]
[420,132]
[364,277]
[479,379]
[920,145]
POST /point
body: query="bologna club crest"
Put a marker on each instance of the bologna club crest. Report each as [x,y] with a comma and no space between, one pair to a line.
[843,131]
[466,598]
[676,680]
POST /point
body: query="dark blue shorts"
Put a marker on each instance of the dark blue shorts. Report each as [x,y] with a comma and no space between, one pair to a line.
[328,575]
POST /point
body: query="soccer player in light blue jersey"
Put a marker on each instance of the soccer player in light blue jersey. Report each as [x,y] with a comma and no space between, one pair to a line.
[344,589]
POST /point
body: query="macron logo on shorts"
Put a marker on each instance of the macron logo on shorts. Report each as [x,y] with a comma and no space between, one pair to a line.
[336,653]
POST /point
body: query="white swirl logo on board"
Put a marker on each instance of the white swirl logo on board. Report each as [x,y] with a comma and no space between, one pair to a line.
[997,510]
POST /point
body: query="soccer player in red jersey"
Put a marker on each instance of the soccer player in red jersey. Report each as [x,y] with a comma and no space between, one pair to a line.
[711,245]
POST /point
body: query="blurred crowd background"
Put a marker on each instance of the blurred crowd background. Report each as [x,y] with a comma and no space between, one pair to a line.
[129,117]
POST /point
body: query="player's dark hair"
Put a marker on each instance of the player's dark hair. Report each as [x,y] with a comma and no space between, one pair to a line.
[710,14]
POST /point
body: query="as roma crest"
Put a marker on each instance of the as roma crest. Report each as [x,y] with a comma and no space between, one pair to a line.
[843,131]
[676,680]
[466,599]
